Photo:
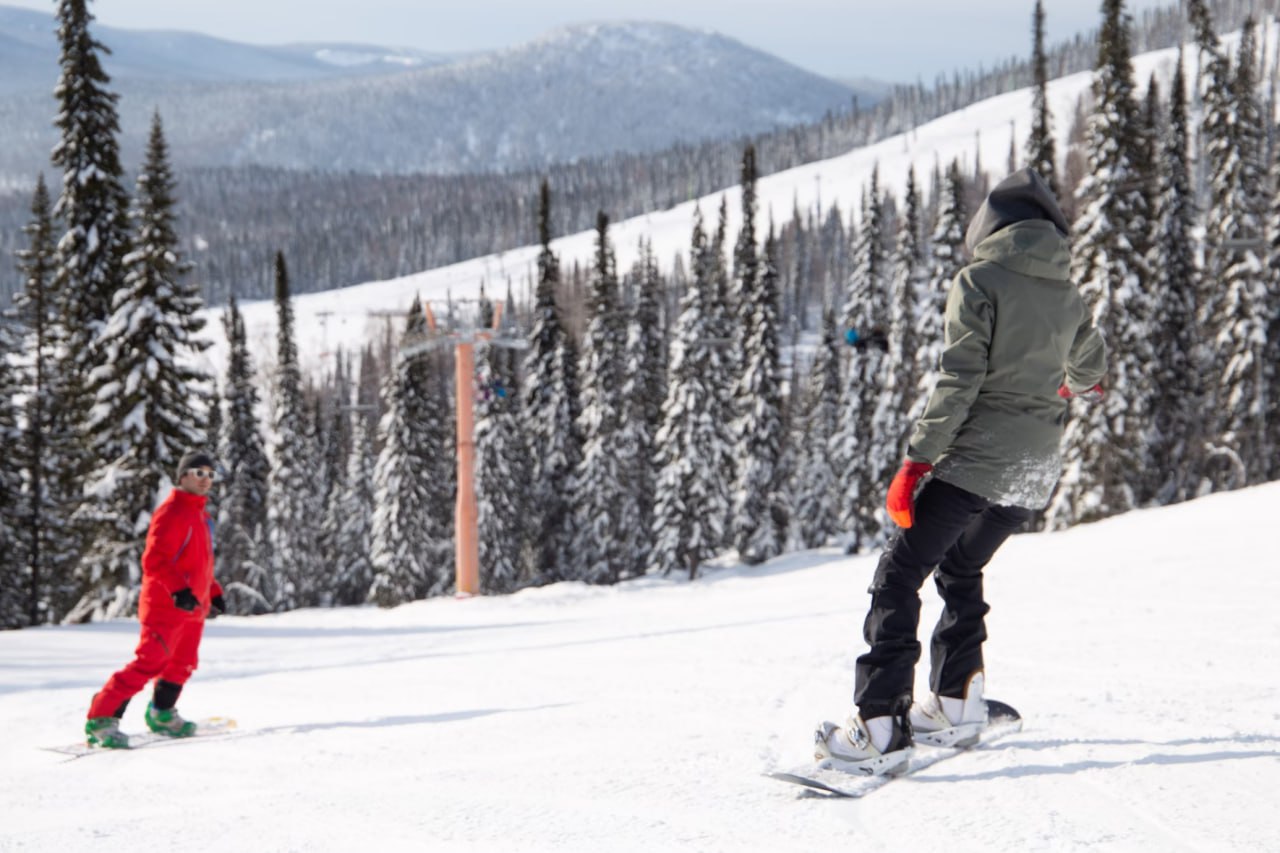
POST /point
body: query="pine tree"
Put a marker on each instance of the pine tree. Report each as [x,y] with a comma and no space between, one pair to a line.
[93,207]
[1272,354]
[243,567]
[862,460]
[1218,166]
[550,409]
[723,359]
[1104,452]
[45,448]
[605,505]
[816,516]
[909,285]
[353,542]
[292,520]
[742,302]
[1236,319]
[413,484]
[15,579]
[1176,419]
[759,510]
[150,400]
[946,257]
[1041,153]
[502,474]
[690,501]
[643,390]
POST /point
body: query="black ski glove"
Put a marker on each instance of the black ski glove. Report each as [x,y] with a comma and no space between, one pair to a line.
[185,599]
[218,605]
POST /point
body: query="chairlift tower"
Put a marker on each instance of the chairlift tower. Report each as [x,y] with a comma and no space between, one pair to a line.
[466,535]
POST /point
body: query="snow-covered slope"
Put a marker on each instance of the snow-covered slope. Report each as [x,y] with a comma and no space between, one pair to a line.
[641,717]
[348,317]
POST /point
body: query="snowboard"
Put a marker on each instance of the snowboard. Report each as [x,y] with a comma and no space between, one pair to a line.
[206,728]
[830,779]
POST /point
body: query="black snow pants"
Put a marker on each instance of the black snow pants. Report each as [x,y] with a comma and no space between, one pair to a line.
[955,533]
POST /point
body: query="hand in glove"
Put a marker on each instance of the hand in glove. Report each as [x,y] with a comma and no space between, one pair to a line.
[1093,395]
[902,492]
[218,605]
[185,599]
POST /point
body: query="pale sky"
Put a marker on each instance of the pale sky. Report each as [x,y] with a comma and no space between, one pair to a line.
[899,40]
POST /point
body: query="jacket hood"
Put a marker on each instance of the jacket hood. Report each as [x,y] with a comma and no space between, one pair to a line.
[1020,197]
[1034,247]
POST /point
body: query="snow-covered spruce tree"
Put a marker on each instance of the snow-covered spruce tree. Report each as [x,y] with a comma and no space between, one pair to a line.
[908,286]
[353,541]
[605,504]
[643,391]
[760,513]
[744,284]
[334,425]
[1176,428]
[946,257]
[50,545]
[550,409]
[862,459]
[292,496]
[1272,354]
[213,428]
[690,500]
[1041,152]
[1219,167]
[324,492]
[1104,442]
[150,398]
[816,519]
[502,473]
[413,484]
[724,358]
[15,579]
[1237,319]
[243,568]
[93,209]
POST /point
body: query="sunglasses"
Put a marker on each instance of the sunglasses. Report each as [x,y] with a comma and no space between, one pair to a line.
[202,473]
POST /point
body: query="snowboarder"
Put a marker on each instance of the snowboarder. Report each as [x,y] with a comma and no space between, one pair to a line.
[178,591]
[1019,341]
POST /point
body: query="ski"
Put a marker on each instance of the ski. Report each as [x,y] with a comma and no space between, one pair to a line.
[829,778]
[206,728]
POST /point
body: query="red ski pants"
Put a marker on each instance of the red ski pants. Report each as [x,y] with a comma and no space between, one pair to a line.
[167,650]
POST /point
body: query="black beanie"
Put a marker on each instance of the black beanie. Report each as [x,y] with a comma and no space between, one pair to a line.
[194,459]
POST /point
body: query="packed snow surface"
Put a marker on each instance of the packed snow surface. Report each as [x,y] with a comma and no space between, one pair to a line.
[1141,651]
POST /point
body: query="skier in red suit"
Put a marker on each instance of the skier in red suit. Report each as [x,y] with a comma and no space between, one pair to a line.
[178,591]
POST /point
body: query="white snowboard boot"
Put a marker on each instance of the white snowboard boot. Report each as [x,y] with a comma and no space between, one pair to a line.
[875,747]
[951,721]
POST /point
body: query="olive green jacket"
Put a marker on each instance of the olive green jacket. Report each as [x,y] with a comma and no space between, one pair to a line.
[1016,329]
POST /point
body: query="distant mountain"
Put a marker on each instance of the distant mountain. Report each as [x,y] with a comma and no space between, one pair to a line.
[29,56]
[579,92]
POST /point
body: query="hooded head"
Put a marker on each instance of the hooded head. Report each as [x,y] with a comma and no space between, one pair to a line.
[1021,196]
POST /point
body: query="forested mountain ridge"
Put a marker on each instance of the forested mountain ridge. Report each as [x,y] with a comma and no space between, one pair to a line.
[29,56]
[579,92]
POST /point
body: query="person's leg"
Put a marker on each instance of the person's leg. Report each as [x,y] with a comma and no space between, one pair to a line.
[885,675]
[180,666]
[956,652]
[149,660]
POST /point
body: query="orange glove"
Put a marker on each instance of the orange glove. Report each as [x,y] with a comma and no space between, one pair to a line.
[902,492]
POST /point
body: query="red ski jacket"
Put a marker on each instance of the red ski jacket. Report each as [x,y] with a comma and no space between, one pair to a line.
[179,554]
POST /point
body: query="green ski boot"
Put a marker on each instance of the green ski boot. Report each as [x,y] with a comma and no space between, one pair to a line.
[105,732]
[168,723]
